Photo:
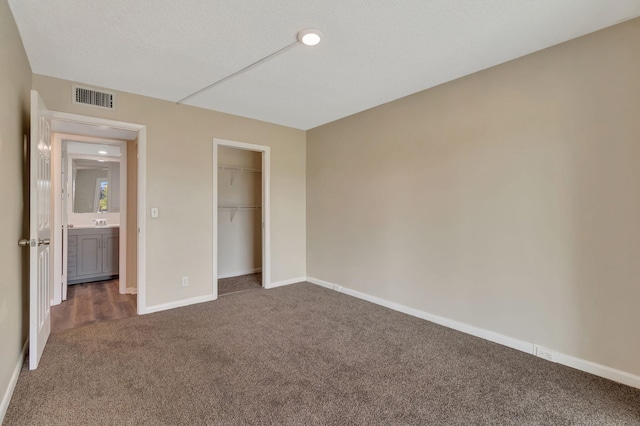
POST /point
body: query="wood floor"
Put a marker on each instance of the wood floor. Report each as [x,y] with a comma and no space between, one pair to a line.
[92,303]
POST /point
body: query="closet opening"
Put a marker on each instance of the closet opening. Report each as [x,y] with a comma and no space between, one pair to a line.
[241,212]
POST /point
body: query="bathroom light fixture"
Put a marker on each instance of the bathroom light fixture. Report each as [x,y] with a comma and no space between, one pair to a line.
[102,152]
[308,37]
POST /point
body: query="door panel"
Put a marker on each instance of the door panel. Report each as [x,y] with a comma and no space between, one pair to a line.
[111,254]
[40,266]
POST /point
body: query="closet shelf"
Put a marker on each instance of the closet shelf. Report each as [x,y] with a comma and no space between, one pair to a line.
[236,208]
[239,207]
[239,169]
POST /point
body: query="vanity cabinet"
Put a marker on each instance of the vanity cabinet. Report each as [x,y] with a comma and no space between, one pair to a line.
[93,254]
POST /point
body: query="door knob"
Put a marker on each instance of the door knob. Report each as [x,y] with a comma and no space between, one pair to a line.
[23,242]
[44,242]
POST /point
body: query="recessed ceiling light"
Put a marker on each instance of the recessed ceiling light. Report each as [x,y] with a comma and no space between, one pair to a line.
[102,152]
[310,36]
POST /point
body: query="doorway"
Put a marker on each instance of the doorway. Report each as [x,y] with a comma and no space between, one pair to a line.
[96,265]
[44,263]
[241,217]
[95,281]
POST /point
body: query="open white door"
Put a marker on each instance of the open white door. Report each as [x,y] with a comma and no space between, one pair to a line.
[40,266]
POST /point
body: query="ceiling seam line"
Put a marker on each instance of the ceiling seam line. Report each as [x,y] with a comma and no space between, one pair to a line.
[237,73]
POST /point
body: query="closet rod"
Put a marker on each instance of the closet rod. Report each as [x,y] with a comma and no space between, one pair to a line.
[242,169]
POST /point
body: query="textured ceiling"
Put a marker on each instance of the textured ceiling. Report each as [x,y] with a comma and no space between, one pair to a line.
[374,51]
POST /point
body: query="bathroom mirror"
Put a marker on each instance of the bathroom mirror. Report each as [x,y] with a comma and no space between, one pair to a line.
[95,186]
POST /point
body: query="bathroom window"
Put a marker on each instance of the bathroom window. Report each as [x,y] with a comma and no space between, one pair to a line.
[102,192]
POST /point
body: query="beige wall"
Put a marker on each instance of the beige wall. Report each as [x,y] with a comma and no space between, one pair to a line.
[15,83]
[179,183]
[240,239]
[508,200]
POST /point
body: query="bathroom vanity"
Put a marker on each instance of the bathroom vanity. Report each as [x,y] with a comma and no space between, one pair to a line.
[93,254]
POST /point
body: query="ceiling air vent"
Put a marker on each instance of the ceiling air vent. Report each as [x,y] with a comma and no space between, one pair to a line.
[95,98]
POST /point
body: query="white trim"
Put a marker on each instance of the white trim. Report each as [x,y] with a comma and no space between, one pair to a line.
[142,220]
[597,369]
[286,282]
[130,290]
[8,393]
[530,348]
[57,238]
[266,208]
[63,218]
[465,328]
[142,187]
[324,284]
[455,325]
[179,303]
[124,228]
[239,273]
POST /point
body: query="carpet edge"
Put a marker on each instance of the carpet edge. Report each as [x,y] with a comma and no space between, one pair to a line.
[290,281]
[590,367]
[177,304]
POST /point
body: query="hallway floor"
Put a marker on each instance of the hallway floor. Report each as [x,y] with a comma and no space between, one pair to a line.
[92,303]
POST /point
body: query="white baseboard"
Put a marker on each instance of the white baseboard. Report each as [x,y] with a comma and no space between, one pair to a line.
[286,282]
[207,298]
[131,290]
[465,328]
[324,284]
[8,393]
[239,273]
[597,369]
[530,348]
[176,304]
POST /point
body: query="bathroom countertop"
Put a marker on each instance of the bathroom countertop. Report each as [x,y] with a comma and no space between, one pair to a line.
[93,227]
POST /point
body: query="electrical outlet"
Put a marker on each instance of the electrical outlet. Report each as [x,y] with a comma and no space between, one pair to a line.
[185,281]
[544,353]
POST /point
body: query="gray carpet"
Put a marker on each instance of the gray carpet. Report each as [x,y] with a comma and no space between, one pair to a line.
[240,283]
[300,355]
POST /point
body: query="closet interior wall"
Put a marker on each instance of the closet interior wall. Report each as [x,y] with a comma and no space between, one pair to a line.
[239,212]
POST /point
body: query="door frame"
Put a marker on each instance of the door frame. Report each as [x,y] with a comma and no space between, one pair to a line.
[141,190]
[266,207]
[61,206]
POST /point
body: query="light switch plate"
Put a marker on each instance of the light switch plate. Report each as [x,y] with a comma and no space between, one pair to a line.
[154,212]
